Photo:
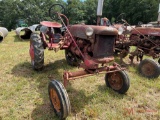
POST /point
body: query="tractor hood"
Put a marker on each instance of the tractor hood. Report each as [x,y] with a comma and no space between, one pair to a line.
[81,30]
[146,31]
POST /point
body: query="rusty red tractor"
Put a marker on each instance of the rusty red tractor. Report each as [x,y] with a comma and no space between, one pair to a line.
[147,42]
[91,47]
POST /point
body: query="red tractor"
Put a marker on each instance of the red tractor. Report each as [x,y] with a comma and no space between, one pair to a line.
[146,39]
[91,47]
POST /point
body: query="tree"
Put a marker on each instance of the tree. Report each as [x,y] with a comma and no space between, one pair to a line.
[139,10]
[33,11]
[90,10]
[75,11]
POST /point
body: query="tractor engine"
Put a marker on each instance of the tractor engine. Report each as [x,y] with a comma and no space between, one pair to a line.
[96,43]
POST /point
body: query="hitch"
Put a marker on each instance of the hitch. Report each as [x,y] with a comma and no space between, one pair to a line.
[85,73]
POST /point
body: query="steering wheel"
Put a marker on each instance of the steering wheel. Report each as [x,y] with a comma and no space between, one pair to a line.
[54,10]
[120,17]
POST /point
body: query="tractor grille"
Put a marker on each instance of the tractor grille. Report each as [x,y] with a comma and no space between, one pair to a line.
[104,46]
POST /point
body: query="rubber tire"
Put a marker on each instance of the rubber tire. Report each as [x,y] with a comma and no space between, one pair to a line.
[126,81]
[71,60]
[63,97]
[37,44]
[155,67]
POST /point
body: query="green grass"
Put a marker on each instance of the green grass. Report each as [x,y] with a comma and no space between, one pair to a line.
[24,92]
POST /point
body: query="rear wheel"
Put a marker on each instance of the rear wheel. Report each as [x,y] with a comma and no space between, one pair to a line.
[149,68]
[59,99]
[36,51]
[118,81]
[71,59]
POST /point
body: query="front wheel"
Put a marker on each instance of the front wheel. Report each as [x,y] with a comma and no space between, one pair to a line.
[149,68]
[118,81]
[59,99]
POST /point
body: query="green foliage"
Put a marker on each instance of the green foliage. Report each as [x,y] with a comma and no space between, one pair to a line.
[34,11]
[137,10]
[75,11]
[90,11]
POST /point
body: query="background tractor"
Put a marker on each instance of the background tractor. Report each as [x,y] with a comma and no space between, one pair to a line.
[21,23]
[146,39]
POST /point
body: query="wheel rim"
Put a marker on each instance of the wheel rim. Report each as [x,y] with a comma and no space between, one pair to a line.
[148,69]
[115,81]
[55,100]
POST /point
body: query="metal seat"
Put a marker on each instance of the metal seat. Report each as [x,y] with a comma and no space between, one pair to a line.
[51,24]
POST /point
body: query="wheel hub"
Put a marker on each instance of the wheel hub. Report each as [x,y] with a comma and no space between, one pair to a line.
[55,100]
[148,69]
[116,81]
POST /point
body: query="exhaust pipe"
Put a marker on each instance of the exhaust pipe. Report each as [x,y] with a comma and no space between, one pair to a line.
[159,15]
[3,33]
[99,11]
[25,32]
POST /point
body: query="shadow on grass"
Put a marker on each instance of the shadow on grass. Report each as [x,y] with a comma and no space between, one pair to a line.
[18,39]
[51,71]
[78,99]
[112,93]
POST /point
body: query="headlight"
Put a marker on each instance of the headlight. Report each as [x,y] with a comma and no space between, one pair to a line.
[120,30]
[89,31]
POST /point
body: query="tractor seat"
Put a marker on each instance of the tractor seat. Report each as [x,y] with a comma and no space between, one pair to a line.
[57,37]
[51,24]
